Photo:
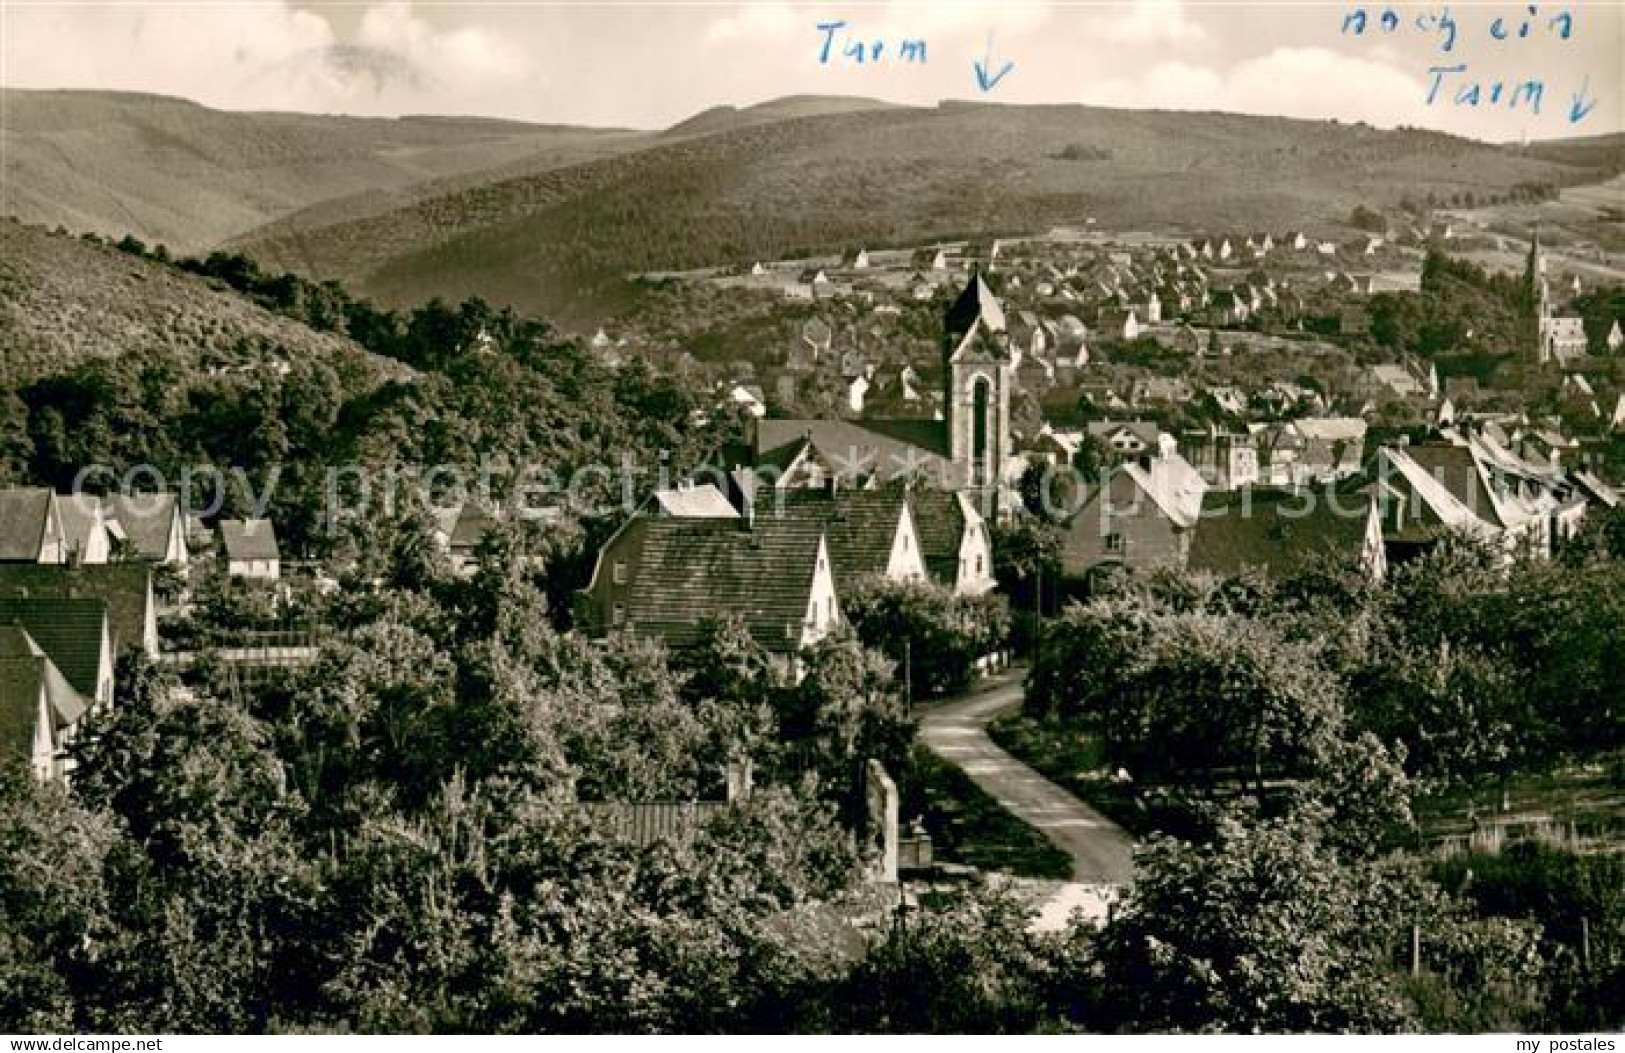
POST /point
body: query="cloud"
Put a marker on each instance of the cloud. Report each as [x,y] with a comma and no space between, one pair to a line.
[263,56]
[757,22]
[1154,22]
[1287,82]
[466,57]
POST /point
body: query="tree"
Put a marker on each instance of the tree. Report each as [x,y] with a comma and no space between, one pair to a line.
[934,634]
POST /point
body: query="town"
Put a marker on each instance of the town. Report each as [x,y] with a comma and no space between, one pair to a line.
[827,566]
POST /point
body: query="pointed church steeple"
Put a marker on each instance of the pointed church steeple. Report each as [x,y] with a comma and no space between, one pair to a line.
[979,376]
[976,303]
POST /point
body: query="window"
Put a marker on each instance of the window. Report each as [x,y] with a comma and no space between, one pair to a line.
[1114,543]
[620,573]
[978,566]
[618,615]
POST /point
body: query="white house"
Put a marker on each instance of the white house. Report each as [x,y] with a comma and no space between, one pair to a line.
[251,549]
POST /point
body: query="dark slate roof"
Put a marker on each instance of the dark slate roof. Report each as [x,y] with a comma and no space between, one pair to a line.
[975,301]
[1277,531]
[126,588]
[80,514]
[887,449]
[69,630]
[246,539]
[940,521]
[25,668]
[22,521]
[693,570]
[146,519]
[1457,470]
[473,523]
[859,525]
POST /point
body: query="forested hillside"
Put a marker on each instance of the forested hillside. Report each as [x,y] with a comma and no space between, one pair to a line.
[562,242]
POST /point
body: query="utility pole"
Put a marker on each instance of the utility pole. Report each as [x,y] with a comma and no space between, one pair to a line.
[908,675]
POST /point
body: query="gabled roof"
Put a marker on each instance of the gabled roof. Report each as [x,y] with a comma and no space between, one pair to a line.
[25,672]
[473,523]
[1606,495]
[860,526]
[1446,509]
[941,519]
[691,570]
[248,539]
[1144,430]
[125,587]
[1173,485]
[147,521]
[886,449]
[24,512]
[81,515]
[976,303]
[1280,532]
[71,631]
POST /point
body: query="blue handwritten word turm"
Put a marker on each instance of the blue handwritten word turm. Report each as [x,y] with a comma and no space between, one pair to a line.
[1456,83]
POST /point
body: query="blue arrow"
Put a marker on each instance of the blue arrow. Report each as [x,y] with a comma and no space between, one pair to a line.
[1580,107]
[983,81]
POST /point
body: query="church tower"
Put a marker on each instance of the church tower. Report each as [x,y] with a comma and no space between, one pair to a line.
[979,375]
[1537,299]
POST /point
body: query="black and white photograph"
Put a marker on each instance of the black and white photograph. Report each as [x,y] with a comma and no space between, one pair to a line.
[746,517]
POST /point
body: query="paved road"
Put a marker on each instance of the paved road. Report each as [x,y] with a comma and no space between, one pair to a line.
[1102,853]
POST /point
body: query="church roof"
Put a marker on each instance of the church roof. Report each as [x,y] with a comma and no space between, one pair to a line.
[884,449]
[975,303]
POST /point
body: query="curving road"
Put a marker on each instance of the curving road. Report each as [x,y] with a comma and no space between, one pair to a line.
[1102,853]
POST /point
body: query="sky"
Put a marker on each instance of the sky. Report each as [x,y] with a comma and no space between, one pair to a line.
[650,64]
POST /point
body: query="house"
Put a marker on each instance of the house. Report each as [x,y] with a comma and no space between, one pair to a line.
[1118,323]
[665,578]
[39,709]
[1228,400]
[125,587]
[1125,439]
[31,528]
[74,633]
[1028,334]
[1595,490]
[1332,448]
[1615,339]
[965,448]
[1161,391]
[857,392]
[749,399]
[954,540]
[86,531]
[1142,516]
[1562,339]
[1429,490]
[251,549]
[152,526]
[870,533]
[1396,381]
[1229,307]
[1225,460]
[1286,532]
